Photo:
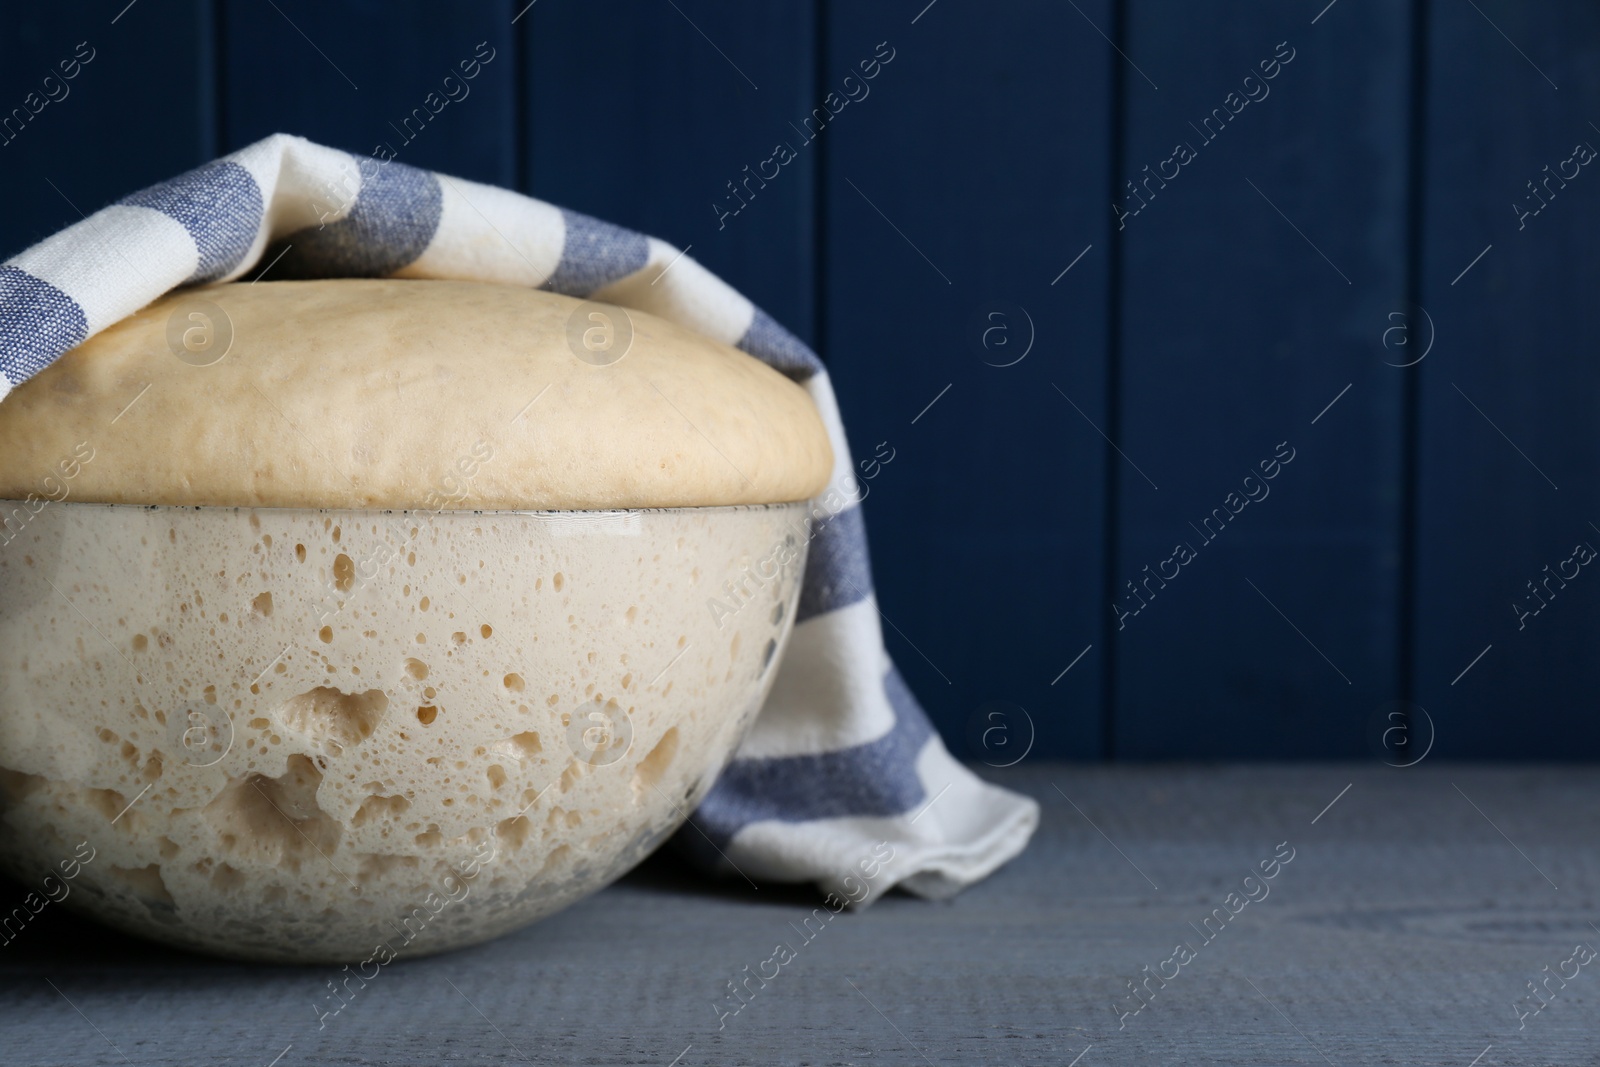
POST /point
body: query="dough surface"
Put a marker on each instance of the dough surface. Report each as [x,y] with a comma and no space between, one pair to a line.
[441,395]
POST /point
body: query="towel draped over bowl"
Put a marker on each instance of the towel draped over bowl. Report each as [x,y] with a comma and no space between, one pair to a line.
[842,780]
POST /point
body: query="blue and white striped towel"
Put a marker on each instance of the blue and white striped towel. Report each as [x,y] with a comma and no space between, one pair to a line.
[842,761]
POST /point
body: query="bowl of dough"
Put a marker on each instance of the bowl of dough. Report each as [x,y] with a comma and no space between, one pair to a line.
[358,619]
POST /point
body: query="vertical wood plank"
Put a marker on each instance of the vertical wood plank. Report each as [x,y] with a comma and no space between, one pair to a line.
[643,114]
[967,182]
[365,74]
[1509,395]
[1258,276]
[133,115]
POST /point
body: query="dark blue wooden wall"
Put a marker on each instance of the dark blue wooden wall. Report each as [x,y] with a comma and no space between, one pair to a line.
[1235,401]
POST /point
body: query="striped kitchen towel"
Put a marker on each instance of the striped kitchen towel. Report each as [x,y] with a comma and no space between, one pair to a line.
[842,780]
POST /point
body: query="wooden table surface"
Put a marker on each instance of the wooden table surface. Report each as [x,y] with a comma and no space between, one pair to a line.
[1405,929]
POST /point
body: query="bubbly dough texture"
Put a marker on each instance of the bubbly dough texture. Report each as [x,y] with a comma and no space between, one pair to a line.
[299,735]
[410,394]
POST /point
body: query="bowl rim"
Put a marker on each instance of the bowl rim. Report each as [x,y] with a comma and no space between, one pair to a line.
[6,503]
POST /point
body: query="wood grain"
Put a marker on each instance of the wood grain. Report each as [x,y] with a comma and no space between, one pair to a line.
[1509,460]
[1256,288]
[1401,931]
[957,195]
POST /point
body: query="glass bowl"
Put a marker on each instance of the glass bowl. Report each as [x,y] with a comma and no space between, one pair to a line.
[349,736]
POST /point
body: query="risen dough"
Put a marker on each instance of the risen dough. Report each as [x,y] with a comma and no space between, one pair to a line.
[280,731]
[408,394]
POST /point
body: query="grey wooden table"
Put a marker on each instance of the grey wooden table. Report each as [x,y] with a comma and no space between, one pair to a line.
[1405,929]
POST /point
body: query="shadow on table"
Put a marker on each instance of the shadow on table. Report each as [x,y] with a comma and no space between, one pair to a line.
[669,870]
[58,937]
